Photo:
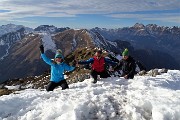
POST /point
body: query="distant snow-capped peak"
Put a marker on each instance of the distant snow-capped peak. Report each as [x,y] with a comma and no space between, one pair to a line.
[4,29]
[46,28]
[49,29]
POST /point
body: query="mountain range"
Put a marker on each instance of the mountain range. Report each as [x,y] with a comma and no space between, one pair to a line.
[153,45]
[150,38]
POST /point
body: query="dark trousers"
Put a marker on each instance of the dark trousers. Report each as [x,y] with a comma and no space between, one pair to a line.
[129,77]
[52,85]
[103,74]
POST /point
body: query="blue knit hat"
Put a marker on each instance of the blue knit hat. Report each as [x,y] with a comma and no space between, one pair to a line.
[59,56]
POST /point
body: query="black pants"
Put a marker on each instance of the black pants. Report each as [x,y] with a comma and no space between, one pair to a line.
[103,74]
[129,77]
[52,85]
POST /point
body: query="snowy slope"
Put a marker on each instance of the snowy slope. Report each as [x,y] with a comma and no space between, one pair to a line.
[100,41]
[7,52]
[143,98]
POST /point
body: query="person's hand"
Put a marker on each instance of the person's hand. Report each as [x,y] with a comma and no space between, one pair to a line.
[77,65]
[41,49]
[126,76]
[111,69]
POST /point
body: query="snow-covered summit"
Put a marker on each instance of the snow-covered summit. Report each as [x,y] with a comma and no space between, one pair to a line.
[4,29]
[47,28]
[139,26]
[50,29]
[141,98]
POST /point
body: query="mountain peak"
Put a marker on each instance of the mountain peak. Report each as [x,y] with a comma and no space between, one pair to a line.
[139,26]
[4,29]
[50,29]
[46,28]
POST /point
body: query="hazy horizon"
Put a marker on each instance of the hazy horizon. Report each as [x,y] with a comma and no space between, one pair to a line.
[89,14]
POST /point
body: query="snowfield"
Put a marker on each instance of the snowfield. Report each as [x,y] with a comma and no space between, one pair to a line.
[141,98]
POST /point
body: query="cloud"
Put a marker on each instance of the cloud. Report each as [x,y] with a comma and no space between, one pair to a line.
[22,21]
[165,17]
[71,8]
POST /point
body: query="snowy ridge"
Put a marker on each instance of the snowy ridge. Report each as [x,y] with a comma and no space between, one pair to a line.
[46,28]
[74,43]
[48,42]
[4,29]
[2,42]
[100,41]
[141,98]
[7,52]
[112,43]
[97,41]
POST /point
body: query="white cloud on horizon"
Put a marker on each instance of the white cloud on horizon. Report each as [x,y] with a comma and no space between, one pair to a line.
[71,8]
[165,17]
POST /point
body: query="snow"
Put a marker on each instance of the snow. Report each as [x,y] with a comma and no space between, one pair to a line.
[119,57]
[97,41]
[48,42]
[74,44]
[112,43]
[4,29]
[100,41]
[141,98]
[12,87]
[2,42]
[7,52]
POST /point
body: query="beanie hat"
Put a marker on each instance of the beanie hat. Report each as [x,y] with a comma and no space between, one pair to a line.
[125,52]
[59,54]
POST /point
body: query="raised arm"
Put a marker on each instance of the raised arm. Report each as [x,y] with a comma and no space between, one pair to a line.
[110,61]
[91,60]
[118,66]
[46,59]
[68,68]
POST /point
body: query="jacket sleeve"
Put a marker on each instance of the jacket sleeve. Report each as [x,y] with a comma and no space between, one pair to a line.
[132,71]
[91,60]
[119,65]
[110,61]
[46,59]
[68,68]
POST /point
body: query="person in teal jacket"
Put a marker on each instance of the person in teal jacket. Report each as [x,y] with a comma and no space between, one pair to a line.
[58,67]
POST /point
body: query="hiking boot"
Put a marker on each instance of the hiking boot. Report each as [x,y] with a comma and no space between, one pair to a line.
[95,81]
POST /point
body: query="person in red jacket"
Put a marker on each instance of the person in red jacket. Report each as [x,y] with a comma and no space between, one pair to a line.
[98,65]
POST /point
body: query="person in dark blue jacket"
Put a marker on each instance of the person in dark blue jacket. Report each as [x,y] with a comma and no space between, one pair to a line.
[98,65]
[58,67]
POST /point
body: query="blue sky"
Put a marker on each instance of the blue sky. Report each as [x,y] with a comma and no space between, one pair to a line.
[90,13]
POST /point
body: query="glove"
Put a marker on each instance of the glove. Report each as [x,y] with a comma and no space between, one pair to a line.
[126,77]
[41,49]
[74,63]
